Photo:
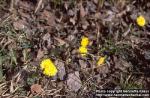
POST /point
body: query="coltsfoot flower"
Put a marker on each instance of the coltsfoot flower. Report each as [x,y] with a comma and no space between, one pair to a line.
[83,50]
[84,41]
[141,21]
[101,60]
[48,67]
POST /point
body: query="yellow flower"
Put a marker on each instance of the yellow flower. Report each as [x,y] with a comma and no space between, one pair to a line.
[83,50]
[48,67]
[101,60]
[84,41]
[140,21]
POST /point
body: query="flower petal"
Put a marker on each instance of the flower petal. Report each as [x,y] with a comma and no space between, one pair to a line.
[83,51]
[84,41]
[101,60]
[140,21]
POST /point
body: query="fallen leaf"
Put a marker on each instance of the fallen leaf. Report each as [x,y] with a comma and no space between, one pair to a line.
[36,88]
[97,15]
[47,38]
[24,15]
[83,64]
[61,70]
[71,12]
[121,64]
[91,7]
[82,11]
[72,20]
[61,42]
[147,55]
[19,25]
[109,16]
[23,4]
[73,82]
[70,38]
[104,70]
[85,24]
[34,63]
[40,54]
[49,17]
[66,6]
[95,1]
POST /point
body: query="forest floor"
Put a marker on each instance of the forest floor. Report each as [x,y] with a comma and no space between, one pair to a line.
[34,30]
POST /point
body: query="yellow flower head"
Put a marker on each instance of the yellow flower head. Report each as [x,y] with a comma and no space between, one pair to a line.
[83,50]
[48,67]
[101,60]
[84,41]
[140,21]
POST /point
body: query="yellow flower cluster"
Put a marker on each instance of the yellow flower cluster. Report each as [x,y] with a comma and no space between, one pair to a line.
[101,60]
[83,48]
[140,21]
[48,67]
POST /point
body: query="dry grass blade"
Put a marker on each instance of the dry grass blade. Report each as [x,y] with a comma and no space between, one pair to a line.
[3,85]
[38,6]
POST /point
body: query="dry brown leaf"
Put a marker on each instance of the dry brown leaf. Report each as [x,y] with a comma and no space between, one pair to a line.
[85,24]
[49,17]
[47,38]
[83,64]
[147,55]
[19,25]
[121,64]
[61,69]
[74,83]
[96,1]
[97,15]
[61,42]
[36,88]
[40,54]
[72,20]
[82,11]
[28,6]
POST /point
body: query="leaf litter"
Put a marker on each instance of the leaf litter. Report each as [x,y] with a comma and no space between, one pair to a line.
[54,28]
